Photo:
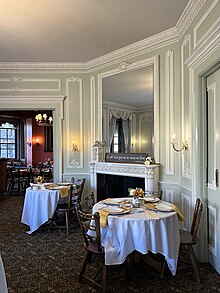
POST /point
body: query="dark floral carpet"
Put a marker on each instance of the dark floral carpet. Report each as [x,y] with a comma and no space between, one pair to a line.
[50,262]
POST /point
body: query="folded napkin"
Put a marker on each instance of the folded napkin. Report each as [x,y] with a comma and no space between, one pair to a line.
[151,214]
[64,191]
[179,214]
[103,218]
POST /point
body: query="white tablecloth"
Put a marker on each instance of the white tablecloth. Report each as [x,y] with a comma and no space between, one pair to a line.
[3,284]
[39,207]
[135,231]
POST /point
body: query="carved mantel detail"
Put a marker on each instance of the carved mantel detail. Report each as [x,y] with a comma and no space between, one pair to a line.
[149,173]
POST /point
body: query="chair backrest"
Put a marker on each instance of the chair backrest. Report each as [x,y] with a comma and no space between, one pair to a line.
[91,223]
[154,193]
[80,183]
[70,196]
[196,218]
[90,201]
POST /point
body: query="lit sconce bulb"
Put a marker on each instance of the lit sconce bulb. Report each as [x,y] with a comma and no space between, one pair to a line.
[37,141]
[45,116]
[50,119]
[173,137]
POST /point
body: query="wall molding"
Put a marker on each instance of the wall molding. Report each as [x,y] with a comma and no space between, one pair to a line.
[169,86]
[199,23]
[186,162]
[213,246]
[93,137]
[212,89]
[77,158]
[17,84]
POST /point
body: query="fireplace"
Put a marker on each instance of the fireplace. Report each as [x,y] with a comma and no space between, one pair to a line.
[114,179]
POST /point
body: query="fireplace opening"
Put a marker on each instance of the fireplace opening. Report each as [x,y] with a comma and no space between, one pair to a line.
[116,186]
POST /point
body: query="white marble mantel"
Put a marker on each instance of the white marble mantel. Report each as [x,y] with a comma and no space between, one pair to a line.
[149,173]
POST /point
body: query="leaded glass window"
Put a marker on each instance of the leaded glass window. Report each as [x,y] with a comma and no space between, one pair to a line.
[7,140]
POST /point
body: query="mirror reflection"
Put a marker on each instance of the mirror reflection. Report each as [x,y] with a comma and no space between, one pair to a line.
[128,111]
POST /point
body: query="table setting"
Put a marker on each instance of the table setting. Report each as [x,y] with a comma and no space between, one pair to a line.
[40,203]
[152,226]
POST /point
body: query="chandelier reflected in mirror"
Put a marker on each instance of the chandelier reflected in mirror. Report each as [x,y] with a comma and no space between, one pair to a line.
[44,119]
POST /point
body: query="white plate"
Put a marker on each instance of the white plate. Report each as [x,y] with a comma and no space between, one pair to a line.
[113,210]
[110,201]
[161,208]
[137,210]
[65,183]
[151,199]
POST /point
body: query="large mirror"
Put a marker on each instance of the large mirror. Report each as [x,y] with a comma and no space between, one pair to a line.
[130,108]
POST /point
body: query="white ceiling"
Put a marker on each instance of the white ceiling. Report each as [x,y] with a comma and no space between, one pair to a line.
[79,30]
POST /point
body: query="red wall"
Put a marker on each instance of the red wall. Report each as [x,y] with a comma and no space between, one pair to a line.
[38,153]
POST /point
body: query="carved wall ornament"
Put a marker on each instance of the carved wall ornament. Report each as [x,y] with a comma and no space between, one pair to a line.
[147,117]
[124,65]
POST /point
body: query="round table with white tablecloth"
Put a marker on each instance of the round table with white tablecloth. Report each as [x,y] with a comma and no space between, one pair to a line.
[140,230]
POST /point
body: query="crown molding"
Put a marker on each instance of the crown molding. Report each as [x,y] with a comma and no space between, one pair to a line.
[190,12]
[157,41]
[76,66]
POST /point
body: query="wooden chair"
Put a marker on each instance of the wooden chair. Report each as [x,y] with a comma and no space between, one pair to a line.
[68,209]
[80,183]
[90,201]
[94,249]
[16,182]
[188,239]
[154,193]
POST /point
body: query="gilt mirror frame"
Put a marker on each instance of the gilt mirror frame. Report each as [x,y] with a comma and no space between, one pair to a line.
[127,66]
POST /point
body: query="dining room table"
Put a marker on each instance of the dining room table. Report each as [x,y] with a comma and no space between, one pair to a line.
[40,203]
[144,229]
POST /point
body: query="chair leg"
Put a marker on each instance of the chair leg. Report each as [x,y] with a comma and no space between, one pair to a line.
[67,223]
[86,261]
[104,278]
[193,262]
[163,268]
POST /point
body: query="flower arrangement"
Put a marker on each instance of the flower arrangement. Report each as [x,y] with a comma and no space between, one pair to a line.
[137,192]
[149,161]
[39,179]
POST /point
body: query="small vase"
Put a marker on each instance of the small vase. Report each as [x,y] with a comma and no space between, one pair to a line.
[136,202]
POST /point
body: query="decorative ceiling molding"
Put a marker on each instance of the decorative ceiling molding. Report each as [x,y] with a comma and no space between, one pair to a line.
[190,12]
[157,41]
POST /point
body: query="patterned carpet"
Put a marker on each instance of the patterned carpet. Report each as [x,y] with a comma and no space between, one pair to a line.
[46,262]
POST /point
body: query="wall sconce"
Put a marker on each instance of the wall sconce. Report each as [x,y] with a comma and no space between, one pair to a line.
[74,147]
[37,141]
[184,145]
[29,142]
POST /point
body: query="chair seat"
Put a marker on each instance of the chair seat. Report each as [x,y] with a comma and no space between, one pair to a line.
[186,238]
[65,207]
[93,247]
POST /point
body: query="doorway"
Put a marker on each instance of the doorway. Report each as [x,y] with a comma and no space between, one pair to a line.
[31,103]
[213,165]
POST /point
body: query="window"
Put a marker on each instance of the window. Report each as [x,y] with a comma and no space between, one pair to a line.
[7,140]
[118,145]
